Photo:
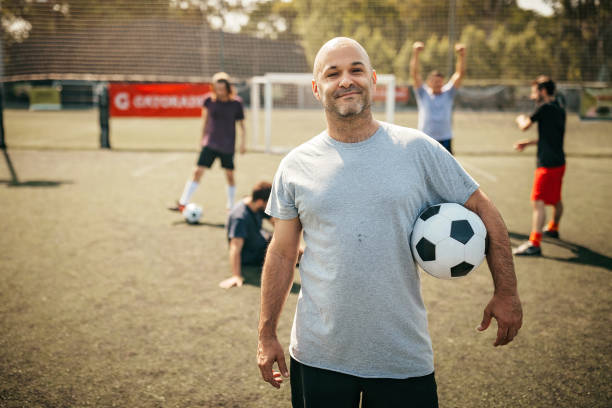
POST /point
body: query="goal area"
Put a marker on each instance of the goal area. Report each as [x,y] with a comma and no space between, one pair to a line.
[291,94]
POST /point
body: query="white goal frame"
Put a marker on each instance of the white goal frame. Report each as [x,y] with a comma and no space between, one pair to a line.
[296,79]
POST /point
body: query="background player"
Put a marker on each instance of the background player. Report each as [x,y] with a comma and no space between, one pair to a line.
[434,98]
[221,112]
[548,178]
[247,240]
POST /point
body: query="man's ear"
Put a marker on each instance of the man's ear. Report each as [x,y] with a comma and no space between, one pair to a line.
[374,77]
[315,90]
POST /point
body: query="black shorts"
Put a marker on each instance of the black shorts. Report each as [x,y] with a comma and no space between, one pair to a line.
[448,144]
[208,156]
[314,387]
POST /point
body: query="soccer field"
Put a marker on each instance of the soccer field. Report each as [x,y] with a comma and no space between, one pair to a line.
[108,299]
[475,132]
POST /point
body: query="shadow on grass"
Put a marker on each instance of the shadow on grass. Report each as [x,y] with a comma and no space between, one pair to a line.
[252,276]
[199,224]
[34,183]
[582,255]
[14,181]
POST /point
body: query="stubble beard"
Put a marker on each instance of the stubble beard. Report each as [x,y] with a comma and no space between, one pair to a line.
[350,110]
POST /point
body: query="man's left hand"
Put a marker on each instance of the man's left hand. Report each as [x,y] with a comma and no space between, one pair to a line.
[234,281]
[242,148]
[506,309]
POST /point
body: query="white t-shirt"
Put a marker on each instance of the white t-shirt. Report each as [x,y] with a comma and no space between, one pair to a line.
[360,310]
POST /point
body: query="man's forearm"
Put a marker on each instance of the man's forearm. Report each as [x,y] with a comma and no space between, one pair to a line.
[457,77]
[235,262]
[414,66]
[505,305]
[501,264]
[499,255]
[460,67]
[276,281]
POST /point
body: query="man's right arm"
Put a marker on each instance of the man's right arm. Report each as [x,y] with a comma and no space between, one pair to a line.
[524,122]
[417,80]
[276,281]
[235,258]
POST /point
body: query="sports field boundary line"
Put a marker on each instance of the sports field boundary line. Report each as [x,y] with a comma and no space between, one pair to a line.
[145,169]
[477,170]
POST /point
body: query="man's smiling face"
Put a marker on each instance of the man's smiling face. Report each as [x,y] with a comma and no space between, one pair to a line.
[344,80]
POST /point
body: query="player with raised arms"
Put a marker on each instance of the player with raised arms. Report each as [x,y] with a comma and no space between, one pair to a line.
[355,190]
[435,98]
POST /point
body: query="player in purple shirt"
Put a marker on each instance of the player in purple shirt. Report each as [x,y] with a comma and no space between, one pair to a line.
[221,112]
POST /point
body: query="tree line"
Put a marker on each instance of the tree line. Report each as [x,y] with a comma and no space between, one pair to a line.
[503,41]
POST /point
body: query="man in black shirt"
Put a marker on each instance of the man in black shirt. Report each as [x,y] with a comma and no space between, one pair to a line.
[550,117]
[247,240]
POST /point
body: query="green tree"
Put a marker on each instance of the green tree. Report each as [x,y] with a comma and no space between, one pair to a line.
[380,52]
[274,19]
[526,54]
[584,40]
[435,55]
[401,64]
[482,61]
[375,22]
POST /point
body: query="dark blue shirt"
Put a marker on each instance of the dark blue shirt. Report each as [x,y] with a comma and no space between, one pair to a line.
[246,224]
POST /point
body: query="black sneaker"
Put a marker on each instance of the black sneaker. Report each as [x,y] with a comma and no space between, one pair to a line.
[551,234]
[527,249]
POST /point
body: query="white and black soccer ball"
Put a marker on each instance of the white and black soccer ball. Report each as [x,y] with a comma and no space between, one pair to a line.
[192,213]
[448,240]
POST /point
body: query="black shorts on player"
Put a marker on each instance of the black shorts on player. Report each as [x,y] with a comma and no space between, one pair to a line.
[208,156]
[448,144]
[317,388]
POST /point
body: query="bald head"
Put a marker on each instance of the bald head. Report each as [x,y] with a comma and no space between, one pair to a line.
[336,44]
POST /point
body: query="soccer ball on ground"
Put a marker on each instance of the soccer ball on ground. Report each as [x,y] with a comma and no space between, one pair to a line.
[448,240]
[192,213]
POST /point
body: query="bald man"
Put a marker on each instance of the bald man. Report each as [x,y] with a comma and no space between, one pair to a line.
[355,190]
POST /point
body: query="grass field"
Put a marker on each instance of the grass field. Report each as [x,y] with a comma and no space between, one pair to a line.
[108,299]
[475,132]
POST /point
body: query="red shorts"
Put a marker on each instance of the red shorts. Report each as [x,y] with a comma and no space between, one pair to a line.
[547,184]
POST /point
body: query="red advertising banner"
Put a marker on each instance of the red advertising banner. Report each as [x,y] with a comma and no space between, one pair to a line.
[402,93]
[162,100]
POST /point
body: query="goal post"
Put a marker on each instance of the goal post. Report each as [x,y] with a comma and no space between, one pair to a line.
[301,81]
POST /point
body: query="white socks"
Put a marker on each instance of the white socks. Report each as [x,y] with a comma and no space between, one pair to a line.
[190,188]
[231,192]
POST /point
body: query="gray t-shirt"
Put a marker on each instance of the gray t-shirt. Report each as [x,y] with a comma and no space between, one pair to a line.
[360,310]
[435,111]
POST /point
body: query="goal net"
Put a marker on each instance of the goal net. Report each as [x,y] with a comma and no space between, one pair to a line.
[284,112]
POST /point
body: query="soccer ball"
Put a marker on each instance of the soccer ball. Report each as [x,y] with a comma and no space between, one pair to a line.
[448,240]
[192,213]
